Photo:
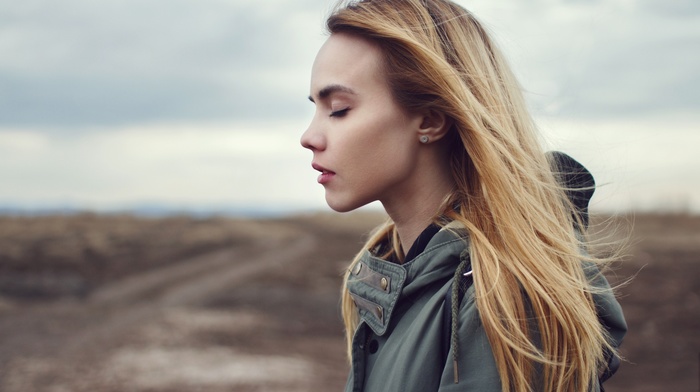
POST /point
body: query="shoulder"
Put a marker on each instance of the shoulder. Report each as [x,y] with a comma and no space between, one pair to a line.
[606,304]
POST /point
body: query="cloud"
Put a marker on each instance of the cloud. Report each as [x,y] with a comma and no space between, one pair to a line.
[81,64]
[601,59]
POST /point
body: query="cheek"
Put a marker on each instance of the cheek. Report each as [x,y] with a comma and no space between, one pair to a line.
[390,152]
[377,141]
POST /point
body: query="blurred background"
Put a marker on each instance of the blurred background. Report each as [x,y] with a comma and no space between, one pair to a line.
[149,152]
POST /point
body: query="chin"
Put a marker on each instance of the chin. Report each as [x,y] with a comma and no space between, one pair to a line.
[343,206]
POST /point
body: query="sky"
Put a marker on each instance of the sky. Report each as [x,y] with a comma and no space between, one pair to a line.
[200,104]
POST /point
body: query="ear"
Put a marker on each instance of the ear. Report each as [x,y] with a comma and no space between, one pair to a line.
[434,125]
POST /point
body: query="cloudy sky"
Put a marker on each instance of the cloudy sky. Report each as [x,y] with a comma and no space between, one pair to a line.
[200,104]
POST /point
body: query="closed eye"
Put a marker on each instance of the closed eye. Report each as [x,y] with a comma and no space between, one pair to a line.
[340,113]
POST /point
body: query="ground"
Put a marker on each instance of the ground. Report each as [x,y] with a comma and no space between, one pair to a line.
[119,303]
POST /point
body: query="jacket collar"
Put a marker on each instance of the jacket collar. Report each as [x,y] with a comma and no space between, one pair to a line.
[377,285]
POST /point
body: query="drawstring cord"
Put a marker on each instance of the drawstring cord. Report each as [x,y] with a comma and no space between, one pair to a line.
[458,289]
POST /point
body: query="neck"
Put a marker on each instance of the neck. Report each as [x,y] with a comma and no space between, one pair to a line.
[418,201]
[412,215]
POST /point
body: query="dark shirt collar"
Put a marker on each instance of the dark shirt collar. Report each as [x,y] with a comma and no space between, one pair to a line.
[421,242]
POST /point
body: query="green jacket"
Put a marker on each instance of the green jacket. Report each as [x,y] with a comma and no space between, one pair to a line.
[398,346]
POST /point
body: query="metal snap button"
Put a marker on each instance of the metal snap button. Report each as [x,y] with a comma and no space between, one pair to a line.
[357,268]
[384,283]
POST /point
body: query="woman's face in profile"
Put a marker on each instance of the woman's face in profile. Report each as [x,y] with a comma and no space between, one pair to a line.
[364,144]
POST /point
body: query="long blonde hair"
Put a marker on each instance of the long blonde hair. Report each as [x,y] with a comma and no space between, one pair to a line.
[526,257]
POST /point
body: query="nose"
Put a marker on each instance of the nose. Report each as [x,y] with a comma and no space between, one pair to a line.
[313,138]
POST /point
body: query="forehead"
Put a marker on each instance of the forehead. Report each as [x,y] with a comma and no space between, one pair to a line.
[348,60]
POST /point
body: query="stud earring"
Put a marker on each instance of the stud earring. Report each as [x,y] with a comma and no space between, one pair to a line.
[424,139]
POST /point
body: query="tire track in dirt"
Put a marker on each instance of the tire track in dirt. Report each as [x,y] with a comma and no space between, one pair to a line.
[194,280]
[210,274]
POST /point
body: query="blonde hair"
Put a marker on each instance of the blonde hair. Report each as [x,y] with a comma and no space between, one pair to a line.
[525,254]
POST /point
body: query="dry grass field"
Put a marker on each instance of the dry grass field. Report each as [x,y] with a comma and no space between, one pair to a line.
[111,303]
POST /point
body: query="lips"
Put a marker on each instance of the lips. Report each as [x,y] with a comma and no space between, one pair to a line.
[325,176]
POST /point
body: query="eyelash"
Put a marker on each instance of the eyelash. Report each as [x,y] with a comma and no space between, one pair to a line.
[339,113]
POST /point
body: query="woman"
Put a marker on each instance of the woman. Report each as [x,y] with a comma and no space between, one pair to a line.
[478,282]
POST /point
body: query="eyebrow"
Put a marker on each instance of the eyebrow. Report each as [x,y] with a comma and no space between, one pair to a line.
[333,88]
